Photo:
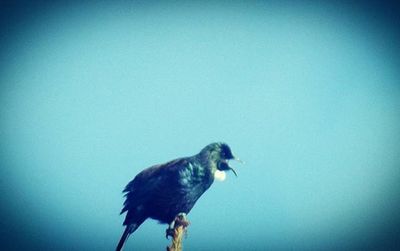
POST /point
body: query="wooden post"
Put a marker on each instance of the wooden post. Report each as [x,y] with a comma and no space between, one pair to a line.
[179,232]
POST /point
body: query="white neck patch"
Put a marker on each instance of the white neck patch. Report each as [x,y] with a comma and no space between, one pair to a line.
[219,175]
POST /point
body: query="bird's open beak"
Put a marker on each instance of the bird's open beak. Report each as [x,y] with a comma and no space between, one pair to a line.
[231,168]
[238,160]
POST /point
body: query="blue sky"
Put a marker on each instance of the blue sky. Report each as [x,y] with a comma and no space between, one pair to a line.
[307,95]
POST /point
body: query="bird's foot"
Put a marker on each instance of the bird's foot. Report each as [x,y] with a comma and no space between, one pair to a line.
[169,232]
[180,220]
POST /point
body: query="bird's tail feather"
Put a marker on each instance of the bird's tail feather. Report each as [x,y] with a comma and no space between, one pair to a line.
[128,230]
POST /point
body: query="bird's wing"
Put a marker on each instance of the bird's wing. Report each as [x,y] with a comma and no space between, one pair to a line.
[152,181]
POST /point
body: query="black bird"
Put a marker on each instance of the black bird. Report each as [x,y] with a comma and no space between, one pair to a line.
[162,192]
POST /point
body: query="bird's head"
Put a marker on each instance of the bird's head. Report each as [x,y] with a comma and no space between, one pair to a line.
[219,154]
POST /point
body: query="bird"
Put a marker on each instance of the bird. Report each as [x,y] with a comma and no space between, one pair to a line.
[165,191]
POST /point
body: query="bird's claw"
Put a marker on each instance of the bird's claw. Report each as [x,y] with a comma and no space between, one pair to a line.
[180,220]
[169,232]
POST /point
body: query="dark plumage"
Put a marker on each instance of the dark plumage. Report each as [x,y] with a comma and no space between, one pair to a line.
[161,192]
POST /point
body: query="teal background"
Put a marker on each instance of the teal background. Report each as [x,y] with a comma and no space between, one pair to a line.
[306,93]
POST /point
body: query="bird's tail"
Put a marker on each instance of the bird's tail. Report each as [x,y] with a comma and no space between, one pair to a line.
[128,230]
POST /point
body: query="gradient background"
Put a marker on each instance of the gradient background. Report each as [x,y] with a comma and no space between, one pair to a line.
[307,93]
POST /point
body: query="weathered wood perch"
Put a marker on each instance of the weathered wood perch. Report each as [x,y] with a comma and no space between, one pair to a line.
[181,224]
